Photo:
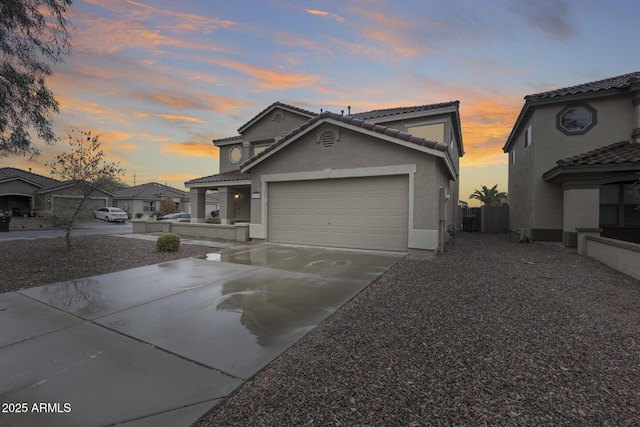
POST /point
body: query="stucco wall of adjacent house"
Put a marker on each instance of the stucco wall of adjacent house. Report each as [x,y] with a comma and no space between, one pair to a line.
[536,204]
[356,150]
[521,177]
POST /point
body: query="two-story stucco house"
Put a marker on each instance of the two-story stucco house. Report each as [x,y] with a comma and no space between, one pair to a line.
[573,154]
[384,179]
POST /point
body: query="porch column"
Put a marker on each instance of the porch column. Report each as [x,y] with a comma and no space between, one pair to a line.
[581,209]
[198,201]
[227,204]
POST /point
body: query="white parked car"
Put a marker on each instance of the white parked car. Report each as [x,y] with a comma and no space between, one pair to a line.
[110,214]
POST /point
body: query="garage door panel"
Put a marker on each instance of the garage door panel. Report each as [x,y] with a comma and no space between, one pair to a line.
[367,213]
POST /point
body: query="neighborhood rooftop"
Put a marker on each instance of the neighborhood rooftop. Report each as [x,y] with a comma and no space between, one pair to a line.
[150,190]
[39,180]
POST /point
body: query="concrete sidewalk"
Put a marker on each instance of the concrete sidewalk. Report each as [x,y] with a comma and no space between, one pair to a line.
[163,344]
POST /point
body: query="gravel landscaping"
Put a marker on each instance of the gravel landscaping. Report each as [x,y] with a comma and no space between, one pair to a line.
[491,333]
[27,263]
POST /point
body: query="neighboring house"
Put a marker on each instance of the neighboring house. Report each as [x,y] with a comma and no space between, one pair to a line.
[62,199]
[573,153]
[17,190]
[146,198]
[384,179]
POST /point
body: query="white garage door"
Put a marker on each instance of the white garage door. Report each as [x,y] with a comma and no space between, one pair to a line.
[363,213]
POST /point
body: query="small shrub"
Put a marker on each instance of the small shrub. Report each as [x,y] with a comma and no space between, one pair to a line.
[139,215]
[168,242]
[213,220]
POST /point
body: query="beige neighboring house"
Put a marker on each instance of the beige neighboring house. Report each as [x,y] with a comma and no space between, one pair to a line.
[18,188]
[573,154]
[26,193]
[146,198]
[385,179]
[62,199]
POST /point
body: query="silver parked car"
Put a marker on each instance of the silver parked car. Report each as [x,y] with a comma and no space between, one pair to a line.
[110,214]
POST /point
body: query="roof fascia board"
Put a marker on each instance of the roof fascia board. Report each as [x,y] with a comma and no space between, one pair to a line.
[218,184]
[589,169]
[223,142]
[20,178]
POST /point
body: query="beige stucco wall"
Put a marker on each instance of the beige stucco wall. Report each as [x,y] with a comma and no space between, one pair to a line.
[268,128]
[535,203]
[264,129]
[17,187]
[355,150]
[622,256]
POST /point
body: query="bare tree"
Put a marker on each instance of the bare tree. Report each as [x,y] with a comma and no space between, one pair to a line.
[86,172]
[33,35]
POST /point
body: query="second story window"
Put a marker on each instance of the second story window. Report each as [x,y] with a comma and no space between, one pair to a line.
[576,119]
[527,137]
[235,154]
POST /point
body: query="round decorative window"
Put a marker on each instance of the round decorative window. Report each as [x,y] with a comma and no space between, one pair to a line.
[235,154]
[576,119]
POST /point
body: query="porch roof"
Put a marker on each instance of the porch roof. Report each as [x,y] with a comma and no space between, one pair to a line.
[620,156]
[234,176]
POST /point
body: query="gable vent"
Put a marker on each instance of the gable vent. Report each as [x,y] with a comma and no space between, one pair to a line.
[327,139]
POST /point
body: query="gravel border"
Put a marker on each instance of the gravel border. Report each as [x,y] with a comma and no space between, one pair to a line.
[493,332]
[28,263]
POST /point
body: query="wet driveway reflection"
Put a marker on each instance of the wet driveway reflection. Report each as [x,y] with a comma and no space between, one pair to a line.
[234,313]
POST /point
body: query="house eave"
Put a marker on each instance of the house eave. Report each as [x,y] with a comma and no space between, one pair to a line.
[219,184]
[564,173]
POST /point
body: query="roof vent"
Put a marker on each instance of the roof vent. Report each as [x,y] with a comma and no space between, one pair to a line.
[327,139]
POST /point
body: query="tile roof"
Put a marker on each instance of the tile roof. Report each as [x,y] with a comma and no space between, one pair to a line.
[235,175]
[387,112]
[350,120]
[617,82]
[276,104]
[39,180]
[150,190]
[229,139]
[620,153]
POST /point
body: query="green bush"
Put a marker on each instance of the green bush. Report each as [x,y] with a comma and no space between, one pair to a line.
[168,242]
[139,215]
[213,220]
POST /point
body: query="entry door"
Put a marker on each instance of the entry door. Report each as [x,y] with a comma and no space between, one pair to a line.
[362,213]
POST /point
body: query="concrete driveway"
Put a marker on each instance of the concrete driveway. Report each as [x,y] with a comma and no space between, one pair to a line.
[163,344]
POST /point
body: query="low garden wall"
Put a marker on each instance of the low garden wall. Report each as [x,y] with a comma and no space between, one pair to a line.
[238,232]
[617,254]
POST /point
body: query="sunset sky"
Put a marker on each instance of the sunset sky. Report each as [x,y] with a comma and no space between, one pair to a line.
[159,79]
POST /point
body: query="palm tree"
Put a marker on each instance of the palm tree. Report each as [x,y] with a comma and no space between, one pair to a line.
[488,195]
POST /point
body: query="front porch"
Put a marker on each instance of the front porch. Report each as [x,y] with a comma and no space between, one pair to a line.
[233,190]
